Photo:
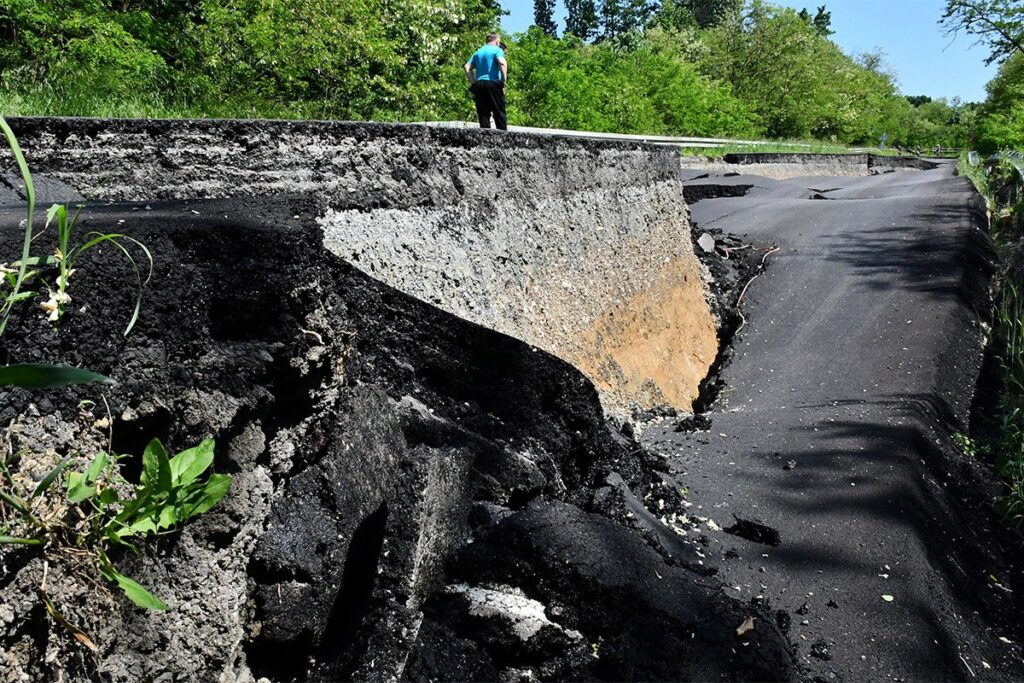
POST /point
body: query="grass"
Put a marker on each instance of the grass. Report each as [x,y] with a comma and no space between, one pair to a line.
[1008,331]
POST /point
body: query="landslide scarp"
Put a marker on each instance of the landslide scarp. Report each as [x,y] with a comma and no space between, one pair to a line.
[393,466]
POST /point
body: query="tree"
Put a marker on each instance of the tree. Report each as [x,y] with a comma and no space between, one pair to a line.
[997,23]
[674,15]
[710,13]
[822,22]
[622,17]
[918,100]
[544,17]
[1000,123]
[581,19]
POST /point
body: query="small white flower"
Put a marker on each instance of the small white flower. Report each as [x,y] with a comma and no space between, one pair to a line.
[62,280]
[50,306]
[53,304]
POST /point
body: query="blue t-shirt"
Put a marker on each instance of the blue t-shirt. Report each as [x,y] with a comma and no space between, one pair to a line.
[485,61]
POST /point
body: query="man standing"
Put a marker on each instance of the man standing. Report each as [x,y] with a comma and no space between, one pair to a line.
[487,72]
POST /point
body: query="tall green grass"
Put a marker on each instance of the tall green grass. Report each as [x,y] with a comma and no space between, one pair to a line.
[1007,232]
[1010,453]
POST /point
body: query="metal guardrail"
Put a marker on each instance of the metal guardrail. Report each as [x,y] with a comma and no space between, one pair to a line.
[1017,160]
[650,139]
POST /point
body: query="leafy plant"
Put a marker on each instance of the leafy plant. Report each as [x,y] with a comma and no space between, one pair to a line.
[102,510]
[66,255]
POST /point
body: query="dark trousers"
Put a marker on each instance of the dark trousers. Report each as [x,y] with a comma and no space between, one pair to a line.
[490,99]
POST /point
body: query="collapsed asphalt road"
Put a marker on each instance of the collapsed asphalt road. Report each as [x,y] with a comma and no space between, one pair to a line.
[829,480]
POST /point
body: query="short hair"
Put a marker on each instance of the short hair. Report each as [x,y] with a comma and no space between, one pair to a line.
[491,37]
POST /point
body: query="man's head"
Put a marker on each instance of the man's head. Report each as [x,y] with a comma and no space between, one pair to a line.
[493,38]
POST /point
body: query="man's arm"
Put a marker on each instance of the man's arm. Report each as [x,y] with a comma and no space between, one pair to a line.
[504,69]
[469,73]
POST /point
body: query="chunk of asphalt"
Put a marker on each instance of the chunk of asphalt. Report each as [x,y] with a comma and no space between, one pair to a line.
[694,423]
[755,531]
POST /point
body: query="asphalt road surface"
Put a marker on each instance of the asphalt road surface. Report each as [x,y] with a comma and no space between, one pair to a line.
[857,364]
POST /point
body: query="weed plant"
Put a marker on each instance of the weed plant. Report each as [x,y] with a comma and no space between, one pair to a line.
[14,278]
[99,509]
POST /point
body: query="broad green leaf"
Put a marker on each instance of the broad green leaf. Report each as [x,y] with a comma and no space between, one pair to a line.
[45,376]
[96,467]
[48,480]
[215,488]
[156,468]
[110,533]
[83,486]
[167,517]
[135,592]
[189,464]
[108,496]
[78,489]
[144,525]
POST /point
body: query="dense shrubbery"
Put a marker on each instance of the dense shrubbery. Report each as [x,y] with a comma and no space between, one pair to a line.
[756,70]
[1000,122]
[697,67]
[651,88]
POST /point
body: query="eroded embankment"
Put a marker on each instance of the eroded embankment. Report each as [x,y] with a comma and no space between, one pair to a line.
[415,496]
[578,247]
[781,166]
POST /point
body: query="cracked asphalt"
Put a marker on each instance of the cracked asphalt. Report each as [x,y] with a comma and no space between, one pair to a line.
[857,364]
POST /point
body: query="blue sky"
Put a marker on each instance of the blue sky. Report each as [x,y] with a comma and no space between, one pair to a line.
[926,61]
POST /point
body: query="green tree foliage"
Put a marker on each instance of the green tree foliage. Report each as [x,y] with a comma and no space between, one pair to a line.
[713,67]
[570,84]
[620,18]
[931,123]
[385,59]
[710,13]
[1000,123]
[799,82]
[822,22]
[582,19]
[544,16]
[997,23]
